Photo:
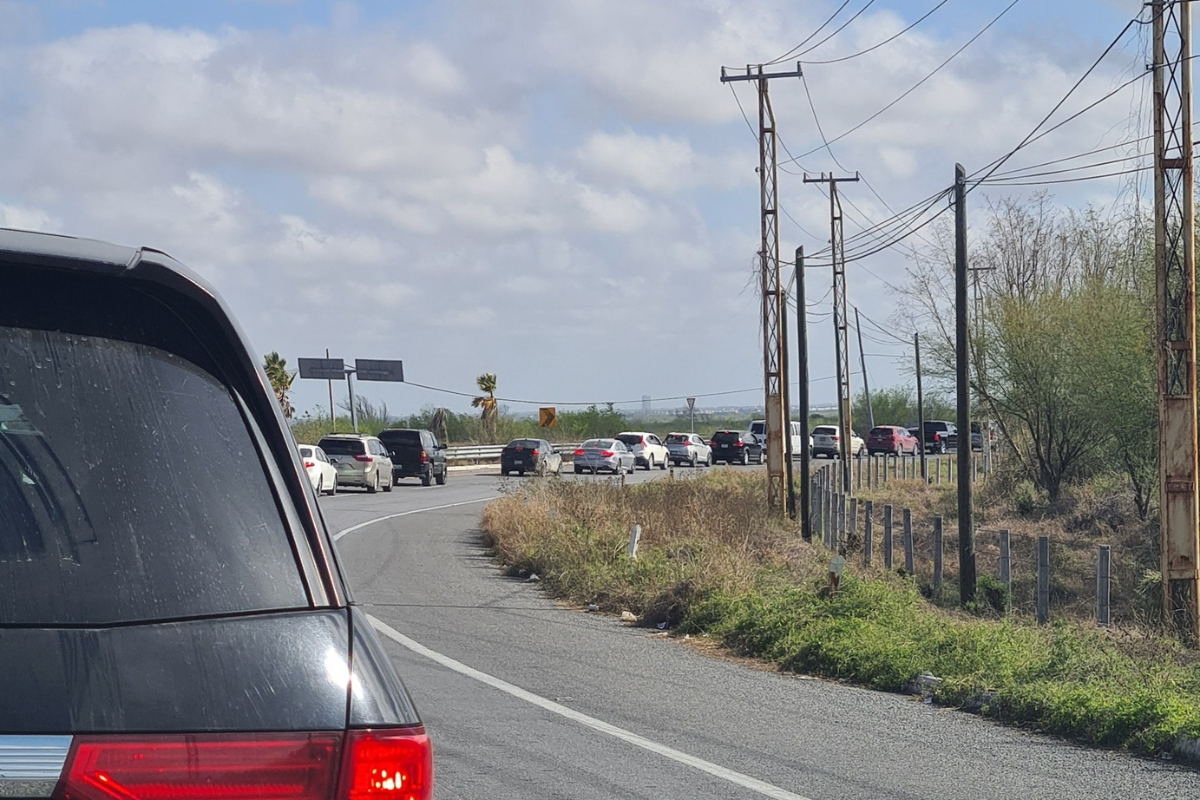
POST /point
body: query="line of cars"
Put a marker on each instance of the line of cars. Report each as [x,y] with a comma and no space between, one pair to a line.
[374,462]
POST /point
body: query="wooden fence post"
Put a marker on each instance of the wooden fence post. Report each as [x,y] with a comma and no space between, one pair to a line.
[867,532]
[1043,580]
[906,517]
[937,554]
[1103,564]
[887,537]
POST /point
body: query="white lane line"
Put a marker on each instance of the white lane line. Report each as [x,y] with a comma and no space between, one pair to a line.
[353,528]
[745,781]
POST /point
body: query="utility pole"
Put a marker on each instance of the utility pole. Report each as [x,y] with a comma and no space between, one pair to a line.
[1175,306]
[772,294]
[802,398]
[790,492]
[966,530]
[862,359]
[837,257]
[920,406]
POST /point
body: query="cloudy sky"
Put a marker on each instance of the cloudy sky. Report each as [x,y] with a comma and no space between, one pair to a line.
[561,192]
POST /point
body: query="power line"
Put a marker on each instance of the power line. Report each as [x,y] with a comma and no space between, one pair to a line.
[919,83]
[888,40]
[839,30]
[810,36]
[1069,180]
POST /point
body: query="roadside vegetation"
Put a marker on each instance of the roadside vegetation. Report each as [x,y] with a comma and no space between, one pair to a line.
[712,564]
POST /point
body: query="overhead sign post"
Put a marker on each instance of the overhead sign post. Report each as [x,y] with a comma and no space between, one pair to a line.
[692,412]
[335,369]
[547,417]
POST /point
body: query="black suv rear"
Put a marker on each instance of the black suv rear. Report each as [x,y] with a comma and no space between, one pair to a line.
[174,622]
[736,447]
[415,454]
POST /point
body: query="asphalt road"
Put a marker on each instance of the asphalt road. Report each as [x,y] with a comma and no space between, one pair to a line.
[527,699]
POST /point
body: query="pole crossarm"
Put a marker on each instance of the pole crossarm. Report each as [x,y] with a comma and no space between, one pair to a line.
[755,73]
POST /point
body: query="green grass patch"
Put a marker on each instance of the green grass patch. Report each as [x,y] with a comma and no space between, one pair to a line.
[711,563]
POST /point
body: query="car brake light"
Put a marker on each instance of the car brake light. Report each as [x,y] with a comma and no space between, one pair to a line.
[309,464]
[203,766]
[362,458]
[606,453]
[836,438]
[579,452]
[387,765]
[937,436]
[424,457]
[534,452]
[739,443]
[712,442]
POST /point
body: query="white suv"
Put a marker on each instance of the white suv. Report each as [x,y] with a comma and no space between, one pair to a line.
[758,428]
[648,449]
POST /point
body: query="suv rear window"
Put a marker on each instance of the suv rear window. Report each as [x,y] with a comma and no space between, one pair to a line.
[758,427]
[528,443]
[825,430]
[677,438]
[131,488]
[881,432]
[400,438]
[343,447]
[726,436]
[630,439]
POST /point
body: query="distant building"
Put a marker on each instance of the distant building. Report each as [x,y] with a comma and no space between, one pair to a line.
[645,404]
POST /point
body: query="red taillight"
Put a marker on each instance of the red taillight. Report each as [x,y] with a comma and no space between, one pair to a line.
[606,453]
[424,457]
[309,464]
[382,765]
[739,443]
[937,436]
[836,438]
[362,458]
[712,442]
[533,452]
[578,452]
[204,766]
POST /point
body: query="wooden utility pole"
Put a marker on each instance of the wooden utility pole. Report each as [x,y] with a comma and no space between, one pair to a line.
[862,359]
[802,398]
[966,529]
[773,305]
[837,257]
[1175,286]
[920,406]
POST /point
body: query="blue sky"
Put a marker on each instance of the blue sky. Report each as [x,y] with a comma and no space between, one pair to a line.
[559,192]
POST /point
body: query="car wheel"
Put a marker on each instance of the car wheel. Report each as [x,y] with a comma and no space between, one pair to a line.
[662,464]
[504,473]
[427,477]
[521,473]
[942,448]
[745,458]
[649,463]
[558,469]
[710,461]
[441,478]
[692,461]
[387,486]
[372,488]
[320,485]
[761,458]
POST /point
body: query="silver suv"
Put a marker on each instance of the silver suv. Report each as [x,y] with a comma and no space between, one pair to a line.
[360,460]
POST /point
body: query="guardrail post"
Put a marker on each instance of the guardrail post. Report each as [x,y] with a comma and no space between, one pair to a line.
[937,555]
[906,519]
[1043,580]
[1006,570]
[1102,585]
[887,537]
[867,508]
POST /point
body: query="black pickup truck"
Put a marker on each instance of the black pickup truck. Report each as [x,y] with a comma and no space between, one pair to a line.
[940,436]
[415,454]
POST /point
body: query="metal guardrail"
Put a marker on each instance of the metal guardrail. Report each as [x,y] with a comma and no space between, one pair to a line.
[491,452]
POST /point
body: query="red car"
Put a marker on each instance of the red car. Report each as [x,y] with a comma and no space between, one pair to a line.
[892,440]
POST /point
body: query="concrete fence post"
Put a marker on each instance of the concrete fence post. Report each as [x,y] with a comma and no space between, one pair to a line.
[906,518]
[853,526]
[1006,569]
[867,509]
[937,554]
[1103,563]
[635,536]
[1043,580]
[887,537]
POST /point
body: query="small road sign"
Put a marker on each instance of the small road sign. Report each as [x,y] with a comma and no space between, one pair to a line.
[691,404]
[325,369]
[546,418]
[370,369]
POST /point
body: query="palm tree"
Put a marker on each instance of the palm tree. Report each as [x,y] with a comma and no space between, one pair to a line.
[275,366]
[487,402]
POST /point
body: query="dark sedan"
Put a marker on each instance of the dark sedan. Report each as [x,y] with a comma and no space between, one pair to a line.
[530,455]
[174,623]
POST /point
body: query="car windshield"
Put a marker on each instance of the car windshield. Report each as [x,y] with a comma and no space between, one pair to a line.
[120,459]
[344,447]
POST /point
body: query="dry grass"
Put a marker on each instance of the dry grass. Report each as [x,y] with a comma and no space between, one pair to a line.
[702,535]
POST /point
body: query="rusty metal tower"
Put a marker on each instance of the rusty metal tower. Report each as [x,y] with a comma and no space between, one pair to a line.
[1175,285]
[774,368]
